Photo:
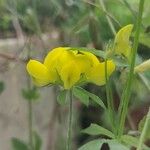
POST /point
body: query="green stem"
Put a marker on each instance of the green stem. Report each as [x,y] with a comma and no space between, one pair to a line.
[127,92]
[30,124]
[68,147]
[109,98]
[145,128]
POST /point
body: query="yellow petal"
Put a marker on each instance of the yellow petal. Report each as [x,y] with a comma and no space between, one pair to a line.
[92,57]
[85,60]
[70,75]
[56,58]
[82,62]
[39,72]
[122,43]
[54,55]
[97,73]
[39,82]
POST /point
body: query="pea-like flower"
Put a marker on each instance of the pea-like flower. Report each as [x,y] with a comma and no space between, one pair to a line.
[68,67]
[122,44]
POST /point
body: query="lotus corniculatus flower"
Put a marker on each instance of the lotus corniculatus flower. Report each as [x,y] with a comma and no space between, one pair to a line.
[67,68]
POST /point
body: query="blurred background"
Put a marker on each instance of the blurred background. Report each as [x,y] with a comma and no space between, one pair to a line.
[29,29]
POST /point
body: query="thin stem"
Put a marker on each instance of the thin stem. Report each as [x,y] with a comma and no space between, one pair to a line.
[68,147]
[30,124]
[108,18]
[127,92]
[109,98]
[145,128]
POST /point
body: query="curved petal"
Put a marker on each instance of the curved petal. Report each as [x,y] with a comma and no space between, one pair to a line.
[122,42]
[56,59]
[39,82]
[92,57]
[97,74]
[70,75]
[39,72]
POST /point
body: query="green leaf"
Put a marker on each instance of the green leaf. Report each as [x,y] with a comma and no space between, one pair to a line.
[61,98]
[141,125]
[96,99]
[30,94]
[95,129]
[2,87]
[37,141]
[96,52]
[81,94]
[92,145]
[92,96]
[131,141]
[115,145]
[18,144]
[97,145]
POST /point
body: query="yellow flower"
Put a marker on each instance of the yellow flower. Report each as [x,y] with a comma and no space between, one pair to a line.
[122,45]
[67,67]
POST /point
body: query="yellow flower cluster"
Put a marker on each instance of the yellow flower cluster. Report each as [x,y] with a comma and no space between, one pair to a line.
[68,68]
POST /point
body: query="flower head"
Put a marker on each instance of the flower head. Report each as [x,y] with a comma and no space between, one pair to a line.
[68,68]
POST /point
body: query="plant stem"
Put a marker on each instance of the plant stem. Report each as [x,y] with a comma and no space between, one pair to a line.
[109,98]
[127,92]
[145,128]
[68,147]
[30,124]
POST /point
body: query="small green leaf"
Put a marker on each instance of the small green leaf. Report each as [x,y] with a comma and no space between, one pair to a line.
[37,141]
[92,145]
[61,98]
[30,94]
[95,129]
[131,141]
[96,99]
[97,145]
[115,145]
[92,96]
[2,87]
[18,144]
[81,94]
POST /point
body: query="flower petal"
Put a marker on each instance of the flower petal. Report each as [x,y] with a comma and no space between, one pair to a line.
[97,74]
[70,74]
[39,82]
[39,72]
[122,43]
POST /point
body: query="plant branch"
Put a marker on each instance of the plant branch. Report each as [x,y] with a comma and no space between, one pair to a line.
[127,92]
